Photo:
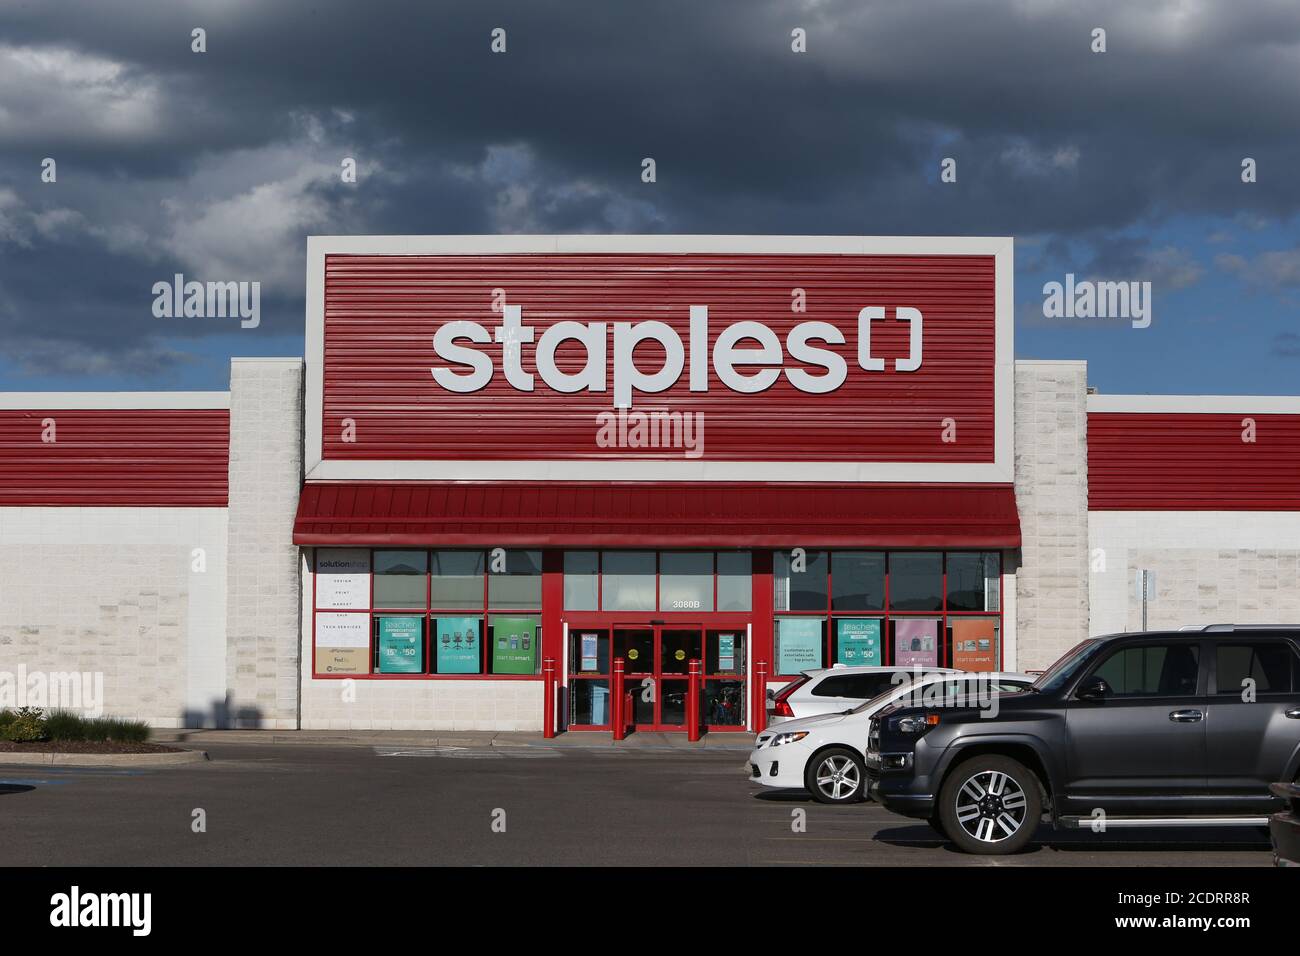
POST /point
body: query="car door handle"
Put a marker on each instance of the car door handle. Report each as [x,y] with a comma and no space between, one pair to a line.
[1294,713]
[1185,716]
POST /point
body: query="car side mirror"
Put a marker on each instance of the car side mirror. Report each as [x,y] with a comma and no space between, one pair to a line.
[1094,689]
[771,694]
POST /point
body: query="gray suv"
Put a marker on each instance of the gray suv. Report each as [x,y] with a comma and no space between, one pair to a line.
[1152,729]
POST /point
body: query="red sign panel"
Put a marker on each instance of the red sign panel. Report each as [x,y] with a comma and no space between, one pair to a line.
[735,357]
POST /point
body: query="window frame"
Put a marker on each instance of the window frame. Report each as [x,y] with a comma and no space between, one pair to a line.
[483,613]
[829,614]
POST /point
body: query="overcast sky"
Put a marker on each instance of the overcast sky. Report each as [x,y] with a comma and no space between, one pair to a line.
[1122,165]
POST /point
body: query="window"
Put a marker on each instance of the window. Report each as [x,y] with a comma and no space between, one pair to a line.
[1270,665]
[798,643]
[400,580]
[800,581]
[400,634]
[515,641]
[398,643]
[581,580]
[857,686]
[686,581]
[858,581]
[735,585]
[1153,670]
[519,584]
[916,581]
[457,580]
[974,581]
[893,608]
[628,582]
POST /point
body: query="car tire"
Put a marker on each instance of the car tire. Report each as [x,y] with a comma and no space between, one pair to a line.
[836,775]
[990,805]
[937,826]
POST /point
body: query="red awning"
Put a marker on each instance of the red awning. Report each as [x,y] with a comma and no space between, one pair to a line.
[657,514]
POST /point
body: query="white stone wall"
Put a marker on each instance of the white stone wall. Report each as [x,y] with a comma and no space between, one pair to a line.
[115,592]
[263,600]
[1051,599]
[1212,567]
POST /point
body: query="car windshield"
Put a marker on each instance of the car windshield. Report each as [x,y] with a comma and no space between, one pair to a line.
[1060,672]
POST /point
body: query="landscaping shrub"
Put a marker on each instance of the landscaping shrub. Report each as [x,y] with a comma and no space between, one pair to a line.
[27,726]
[6,718]
[64,725]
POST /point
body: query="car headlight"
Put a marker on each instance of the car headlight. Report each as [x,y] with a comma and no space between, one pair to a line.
[788,738]
[915,723]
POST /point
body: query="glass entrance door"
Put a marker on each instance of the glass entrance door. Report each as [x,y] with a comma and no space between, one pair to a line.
[656,663]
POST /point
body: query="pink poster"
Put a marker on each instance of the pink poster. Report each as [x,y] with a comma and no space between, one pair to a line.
[916,642]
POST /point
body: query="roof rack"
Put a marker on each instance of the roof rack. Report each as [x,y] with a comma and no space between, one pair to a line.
[1219,628]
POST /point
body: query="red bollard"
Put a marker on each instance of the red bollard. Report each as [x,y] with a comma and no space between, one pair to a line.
[548,701]
[693,701]
[760,697]
[617,719]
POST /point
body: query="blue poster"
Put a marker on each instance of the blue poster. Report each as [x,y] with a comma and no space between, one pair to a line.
[401,642]
[859,640]
[459,641]
[798,644]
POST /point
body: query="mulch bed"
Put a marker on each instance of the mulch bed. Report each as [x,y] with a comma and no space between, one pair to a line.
[84,747]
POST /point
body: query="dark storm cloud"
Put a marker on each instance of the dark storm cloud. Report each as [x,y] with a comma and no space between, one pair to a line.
[219,164]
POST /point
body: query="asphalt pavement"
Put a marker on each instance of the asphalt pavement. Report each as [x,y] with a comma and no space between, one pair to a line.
[392,802]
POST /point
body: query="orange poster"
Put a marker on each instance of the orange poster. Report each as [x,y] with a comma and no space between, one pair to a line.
[974,644]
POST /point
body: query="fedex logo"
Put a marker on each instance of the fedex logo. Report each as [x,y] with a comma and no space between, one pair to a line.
[748,369]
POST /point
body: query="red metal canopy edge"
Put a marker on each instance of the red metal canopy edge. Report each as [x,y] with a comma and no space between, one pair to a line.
[564,514]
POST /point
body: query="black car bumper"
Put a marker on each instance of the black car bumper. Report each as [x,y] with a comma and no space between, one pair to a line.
[900,792]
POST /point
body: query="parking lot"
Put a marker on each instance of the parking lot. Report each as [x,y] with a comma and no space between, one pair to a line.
[312,804]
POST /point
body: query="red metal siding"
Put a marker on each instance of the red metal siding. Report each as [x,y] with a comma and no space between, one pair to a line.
[1192,462]
[155,457]
[381,313]
[650,514]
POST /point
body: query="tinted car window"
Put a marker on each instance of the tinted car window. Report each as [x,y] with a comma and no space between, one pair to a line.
[853,685]
[833,687]
[1151,670]
[1270,665]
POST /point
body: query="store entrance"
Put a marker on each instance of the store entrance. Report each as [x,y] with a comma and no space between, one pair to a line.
[656,664]
[656,667]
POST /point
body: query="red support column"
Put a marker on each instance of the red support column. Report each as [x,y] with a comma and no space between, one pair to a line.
[694,669]
[760,697]
[617,719]
[548,702]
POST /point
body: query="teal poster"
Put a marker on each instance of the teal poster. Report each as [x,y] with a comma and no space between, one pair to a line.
[400,645]
[798,644]
[514,645]
[859,640]
[459,642]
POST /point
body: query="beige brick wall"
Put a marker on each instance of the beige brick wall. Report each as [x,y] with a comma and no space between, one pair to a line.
[1052,497]
[263,595]
[1212,567]
[115,592]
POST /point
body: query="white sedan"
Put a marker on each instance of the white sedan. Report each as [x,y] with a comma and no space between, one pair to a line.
[823,754]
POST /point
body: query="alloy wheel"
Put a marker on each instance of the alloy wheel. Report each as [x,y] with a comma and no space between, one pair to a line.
[838,777]
[991,806]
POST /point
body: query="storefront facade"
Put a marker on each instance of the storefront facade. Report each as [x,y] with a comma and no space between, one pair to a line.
[763,454]
[507,454]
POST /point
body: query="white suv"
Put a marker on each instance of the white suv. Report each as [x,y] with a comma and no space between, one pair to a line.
[823,754]
[834,690]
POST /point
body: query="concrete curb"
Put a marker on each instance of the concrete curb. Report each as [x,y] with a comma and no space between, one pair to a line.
[104,760]
[504,741]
